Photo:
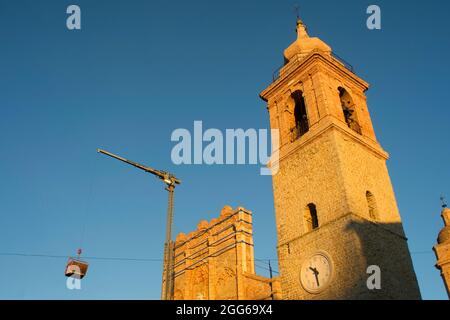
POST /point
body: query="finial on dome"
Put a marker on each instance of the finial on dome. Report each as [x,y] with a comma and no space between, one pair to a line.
[304,44]
[445,213]
[301,29]
[444,203]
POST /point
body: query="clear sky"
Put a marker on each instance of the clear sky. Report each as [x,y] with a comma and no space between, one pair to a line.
[140,69]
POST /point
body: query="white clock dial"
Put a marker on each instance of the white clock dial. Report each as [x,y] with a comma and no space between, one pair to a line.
[316,272]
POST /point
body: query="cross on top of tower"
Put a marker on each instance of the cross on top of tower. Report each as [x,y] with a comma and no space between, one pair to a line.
[297,11]
[443,202]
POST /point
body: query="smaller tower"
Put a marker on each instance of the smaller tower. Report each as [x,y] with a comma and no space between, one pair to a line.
[216,261]
[442,249]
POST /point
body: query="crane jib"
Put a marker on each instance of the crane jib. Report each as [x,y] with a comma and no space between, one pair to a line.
[165,176]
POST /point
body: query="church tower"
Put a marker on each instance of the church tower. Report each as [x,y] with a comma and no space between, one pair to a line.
[340,234]
[442,249]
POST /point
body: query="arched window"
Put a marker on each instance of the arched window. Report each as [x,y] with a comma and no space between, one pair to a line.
[311,219]
[348,107]
[301,117]
[372,205]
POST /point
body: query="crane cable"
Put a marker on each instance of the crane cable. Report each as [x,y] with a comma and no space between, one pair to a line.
[88,204]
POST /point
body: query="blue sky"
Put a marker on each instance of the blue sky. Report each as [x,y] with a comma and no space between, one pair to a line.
[140,69]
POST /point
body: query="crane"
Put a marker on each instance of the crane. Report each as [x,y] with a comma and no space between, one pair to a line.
[171,181]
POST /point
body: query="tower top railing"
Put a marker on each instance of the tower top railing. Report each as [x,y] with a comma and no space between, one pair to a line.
[276,73]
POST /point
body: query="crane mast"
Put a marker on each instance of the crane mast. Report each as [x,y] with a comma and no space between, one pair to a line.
[171,181]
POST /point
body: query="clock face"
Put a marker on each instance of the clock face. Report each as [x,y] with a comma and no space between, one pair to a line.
[315,273]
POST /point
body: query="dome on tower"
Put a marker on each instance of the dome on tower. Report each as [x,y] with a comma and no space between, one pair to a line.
[304,44]
[444,235]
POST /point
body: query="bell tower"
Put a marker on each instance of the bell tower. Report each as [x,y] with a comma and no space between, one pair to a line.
[340,234]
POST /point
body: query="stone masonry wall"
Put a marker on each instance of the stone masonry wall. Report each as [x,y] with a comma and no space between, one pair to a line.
[216,261]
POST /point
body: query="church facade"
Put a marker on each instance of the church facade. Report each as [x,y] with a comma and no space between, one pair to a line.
[216,261]
[335,209]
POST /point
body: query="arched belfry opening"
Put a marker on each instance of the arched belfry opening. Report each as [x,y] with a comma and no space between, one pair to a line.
[300,115]
[349,110]
[311,218]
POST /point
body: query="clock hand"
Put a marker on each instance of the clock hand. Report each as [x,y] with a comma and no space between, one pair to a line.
[316,274]
[317,279]
[314,270]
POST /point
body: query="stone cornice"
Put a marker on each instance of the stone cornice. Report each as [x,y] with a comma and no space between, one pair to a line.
[345,216]
[442,262]
[318,130]
[305,65]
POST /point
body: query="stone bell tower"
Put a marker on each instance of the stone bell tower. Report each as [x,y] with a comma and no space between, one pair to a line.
[442,249]
[340,235]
